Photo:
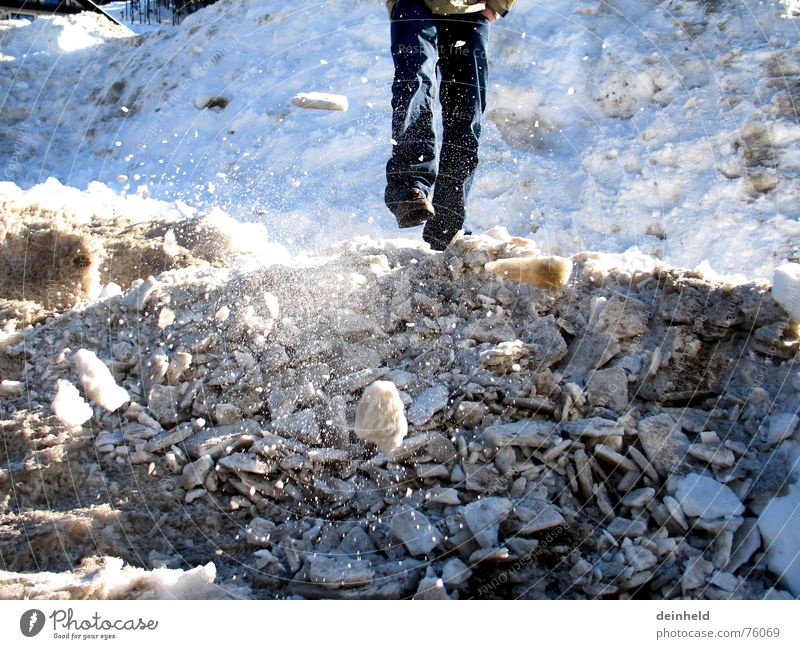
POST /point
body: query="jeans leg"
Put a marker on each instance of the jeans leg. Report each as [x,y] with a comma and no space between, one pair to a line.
[414,44]
[465,74]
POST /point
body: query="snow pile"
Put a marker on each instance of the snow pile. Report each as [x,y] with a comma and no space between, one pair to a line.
[58,35]
[629,434]
[59,247]
[663,127]
[519,416]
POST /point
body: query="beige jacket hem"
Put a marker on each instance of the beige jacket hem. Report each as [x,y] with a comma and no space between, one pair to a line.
[445,7]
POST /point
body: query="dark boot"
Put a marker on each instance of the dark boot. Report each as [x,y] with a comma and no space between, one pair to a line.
[413,210]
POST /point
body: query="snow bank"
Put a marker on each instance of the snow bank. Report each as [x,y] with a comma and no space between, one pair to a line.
[60,246]
[666,128]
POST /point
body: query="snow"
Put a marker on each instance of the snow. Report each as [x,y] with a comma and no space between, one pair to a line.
[96,200]
[629,128]
[68,405]
[112,579]
[97,381]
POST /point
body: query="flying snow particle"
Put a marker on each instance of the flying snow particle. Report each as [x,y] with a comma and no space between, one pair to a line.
[170,246]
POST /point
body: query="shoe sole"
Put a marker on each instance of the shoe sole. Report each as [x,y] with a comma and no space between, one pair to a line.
[414,218]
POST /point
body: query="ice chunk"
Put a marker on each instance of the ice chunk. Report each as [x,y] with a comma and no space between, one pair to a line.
[781,426]
[320,101]
[380,416]
[112,289]
[779,525]
[412,528]
[98,383]
[786,289]
[700,495]
[69,406]
[10,388]
[170,246]
[427,404]
[483,517]
[551,273]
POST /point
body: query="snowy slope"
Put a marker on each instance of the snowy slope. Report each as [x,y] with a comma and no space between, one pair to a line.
[670,127]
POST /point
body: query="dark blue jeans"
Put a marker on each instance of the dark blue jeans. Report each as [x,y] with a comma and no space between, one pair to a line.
[455,46]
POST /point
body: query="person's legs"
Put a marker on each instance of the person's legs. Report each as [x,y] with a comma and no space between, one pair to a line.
[463,44]
[413,161]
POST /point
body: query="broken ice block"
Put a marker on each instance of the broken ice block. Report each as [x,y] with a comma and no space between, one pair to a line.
[380,416]
[551,273]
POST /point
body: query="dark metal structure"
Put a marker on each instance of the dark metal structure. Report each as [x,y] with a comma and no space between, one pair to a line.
[33,8]
[143,10]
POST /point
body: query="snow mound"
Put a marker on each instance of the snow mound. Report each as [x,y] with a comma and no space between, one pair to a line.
[57,35]
[619,422]
[59,246]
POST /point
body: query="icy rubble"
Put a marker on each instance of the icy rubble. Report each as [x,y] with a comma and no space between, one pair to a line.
[607,439]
